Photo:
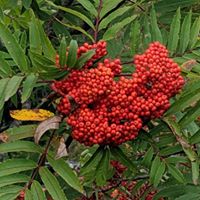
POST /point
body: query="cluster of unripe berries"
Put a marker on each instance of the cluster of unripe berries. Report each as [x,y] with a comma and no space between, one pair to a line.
[116,182]
[111,108]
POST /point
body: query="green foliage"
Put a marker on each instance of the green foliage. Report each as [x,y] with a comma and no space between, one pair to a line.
[51,184]
[62,52]
[166,151]
[16,53]
[37,192]
[84,58]
[72,54]
[174,33]
[155,31]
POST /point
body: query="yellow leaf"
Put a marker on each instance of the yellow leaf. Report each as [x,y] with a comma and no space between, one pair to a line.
[31,114]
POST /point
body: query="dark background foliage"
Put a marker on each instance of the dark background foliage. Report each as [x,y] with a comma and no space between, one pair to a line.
[166,152]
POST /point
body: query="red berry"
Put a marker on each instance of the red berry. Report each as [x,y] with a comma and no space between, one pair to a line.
[111,111]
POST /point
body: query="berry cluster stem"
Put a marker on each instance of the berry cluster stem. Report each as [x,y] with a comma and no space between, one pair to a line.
[98,20]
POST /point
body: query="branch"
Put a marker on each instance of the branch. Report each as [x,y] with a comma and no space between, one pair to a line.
[68,141]
[123,74]
[51,95]
[121,180]
[98,20]
[129,62]
[41,161]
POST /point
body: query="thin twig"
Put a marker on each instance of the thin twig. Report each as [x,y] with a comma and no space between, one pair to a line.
[128,62]
[97,21]
[44,81]
[140,7]
[121,180]
[41,160]
[44,100]
[123,74]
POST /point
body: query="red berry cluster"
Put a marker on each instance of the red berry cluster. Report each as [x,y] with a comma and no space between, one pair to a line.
[119,168]
[64,105]
[156,79]
[112,111]
[114,184]
[100,51]
[128,185]
[120,195]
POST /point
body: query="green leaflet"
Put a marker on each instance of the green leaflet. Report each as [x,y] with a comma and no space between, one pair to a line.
[74,12]
[147,32]
[184,101]
[47,47]
[120,156]
[156,33]
[5,69]
[172,191]
[148,157]
[174,33]
[21,132]
[176,173]
[191,115]
[160,172]
[190,196]
[16,165]
[72,54]
[111,32]
[10,189]
[26,3]
[135,36]
[195,29]
[195,172]
[3,84]
[195,138]
[108,6]
[12,179]
[92,162]
[185,33]
[12,86]
[1,14]
[103,168]
[19,146]
[28,195]
[62,52]
[28,86]
[170,150]
[62,168]
[51,184]
[23,40]
[10,196]
[16,53]
[171,5]
[88,6]
[84,58]
[37,191]
[78,29]
[34,36]
[155,164]
[106,21]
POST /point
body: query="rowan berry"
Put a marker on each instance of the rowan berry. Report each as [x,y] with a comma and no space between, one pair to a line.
[112,111]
